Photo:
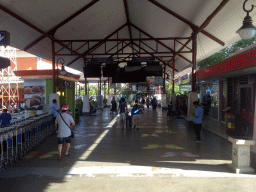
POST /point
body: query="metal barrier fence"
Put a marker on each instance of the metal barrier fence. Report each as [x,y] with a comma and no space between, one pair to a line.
[22,136]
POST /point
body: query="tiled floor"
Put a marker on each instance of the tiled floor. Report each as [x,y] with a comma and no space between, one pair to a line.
[102,153]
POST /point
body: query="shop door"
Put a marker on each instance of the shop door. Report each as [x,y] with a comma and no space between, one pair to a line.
[246,99]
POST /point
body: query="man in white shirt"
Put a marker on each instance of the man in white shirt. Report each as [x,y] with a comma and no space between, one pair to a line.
[63,123]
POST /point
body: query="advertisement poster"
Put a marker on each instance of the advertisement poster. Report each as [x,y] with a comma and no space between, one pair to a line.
[34,97]
[158,81]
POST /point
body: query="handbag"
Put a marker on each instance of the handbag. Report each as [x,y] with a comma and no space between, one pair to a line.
[72,133]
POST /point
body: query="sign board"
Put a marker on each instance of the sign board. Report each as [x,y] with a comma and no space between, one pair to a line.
[4,38]
[176,81]
[112,85]
[158,80]
[184,79]
[143,59]
[185,88]
[101,60]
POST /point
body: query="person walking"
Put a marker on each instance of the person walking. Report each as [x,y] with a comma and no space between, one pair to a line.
[54,110]
[5,118]
[169,110]
[154,104]
[198,118]
[136,111]
[123,108]
[147,102]
[63,123]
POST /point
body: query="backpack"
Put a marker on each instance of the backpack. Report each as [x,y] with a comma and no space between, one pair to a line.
[136,109]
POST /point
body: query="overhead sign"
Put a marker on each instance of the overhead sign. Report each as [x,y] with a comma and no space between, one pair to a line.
[4,38]
[143,59]
[101,60]
[176,81]
[158,81]
[184,79]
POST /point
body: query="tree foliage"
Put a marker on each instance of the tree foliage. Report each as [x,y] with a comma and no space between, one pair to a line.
[224,53]
[168,89]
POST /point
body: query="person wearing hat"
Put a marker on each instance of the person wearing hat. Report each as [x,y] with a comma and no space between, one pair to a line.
[5,118]
[63,123]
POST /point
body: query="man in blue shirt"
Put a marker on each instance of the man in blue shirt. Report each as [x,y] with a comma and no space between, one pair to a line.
[5,118]
[198,118]
[154,104]
[54,110]
[123,109]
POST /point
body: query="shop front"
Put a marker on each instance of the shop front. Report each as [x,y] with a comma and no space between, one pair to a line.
[38,86]
[209,98]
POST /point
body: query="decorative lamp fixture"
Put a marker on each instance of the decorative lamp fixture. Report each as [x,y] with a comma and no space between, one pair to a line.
[247,31]
[62,71]
[167,78]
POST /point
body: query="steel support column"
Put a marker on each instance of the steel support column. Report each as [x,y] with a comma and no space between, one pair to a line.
[100,86]
[108,85]
[194,49]
[85,86]
[173,74]
[53,67]
[164,80]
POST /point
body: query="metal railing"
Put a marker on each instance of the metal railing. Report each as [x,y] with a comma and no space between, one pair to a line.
[22,136]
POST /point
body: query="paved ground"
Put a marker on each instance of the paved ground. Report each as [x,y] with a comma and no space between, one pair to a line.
[160,156]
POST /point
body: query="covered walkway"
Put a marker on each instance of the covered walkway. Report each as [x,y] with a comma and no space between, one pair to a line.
[160,156]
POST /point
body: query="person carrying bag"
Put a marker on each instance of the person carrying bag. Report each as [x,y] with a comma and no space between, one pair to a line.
[64,130]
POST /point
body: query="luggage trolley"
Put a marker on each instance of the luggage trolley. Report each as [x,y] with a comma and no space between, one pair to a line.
[7,146]
[37,133]
[3,147]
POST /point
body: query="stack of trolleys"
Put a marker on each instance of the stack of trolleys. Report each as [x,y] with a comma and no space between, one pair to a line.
[50,128]
[44,125]
[3,142]
[38,129]
[28,138]
[19,138]
[7,146]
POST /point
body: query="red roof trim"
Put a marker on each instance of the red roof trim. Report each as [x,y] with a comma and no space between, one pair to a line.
[244,60]
[42,73]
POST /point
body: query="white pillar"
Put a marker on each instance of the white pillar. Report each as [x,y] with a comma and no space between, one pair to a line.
[109,100]
[241,156]
[253,148]
[192,96]
[99,99]
[86,105]
[173,98]
[164,101]
[51,97]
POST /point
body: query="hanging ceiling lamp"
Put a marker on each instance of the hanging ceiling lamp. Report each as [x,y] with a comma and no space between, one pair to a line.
[247,31]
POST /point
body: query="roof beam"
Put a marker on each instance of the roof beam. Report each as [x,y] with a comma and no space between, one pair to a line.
[187,22]
[98,44]
[128,21]
[127,39]
[116,53]
[8,11]
[54,29]
[206,22]
[160,43]
[154,56]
